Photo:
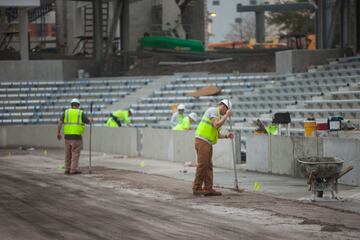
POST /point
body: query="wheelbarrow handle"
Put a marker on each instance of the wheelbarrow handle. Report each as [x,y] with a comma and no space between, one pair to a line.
[345,171]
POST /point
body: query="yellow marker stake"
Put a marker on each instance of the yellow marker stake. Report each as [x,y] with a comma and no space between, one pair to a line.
[45,152]
[142,164]
[257,186]
[60,168]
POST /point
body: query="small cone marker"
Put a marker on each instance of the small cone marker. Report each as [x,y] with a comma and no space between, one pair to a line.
[59,168]
[257,186]
[142,164]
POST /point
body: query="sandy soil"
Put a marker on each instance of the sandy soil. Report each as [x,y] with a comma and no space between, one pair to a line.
[37,202]
[248,63]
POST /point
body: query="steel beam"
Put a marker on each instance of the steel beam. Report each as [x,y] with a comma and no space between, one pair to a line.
[260,27]
[24,33]
[357,6]
[60,26]
[118,6]
[277,7]
[332,16]
[98,40]
[125,26]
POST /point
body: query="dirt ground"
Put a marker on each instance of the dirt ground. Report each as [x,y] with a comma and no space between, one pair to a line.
[37,201]
[245,63]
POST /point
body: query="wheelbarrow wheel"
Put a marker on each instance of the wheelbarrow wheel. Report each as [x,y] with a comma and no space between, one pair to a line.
[320,194]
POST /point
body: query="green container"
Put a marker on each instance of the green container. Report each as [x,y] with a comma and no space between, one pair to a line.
[171,43]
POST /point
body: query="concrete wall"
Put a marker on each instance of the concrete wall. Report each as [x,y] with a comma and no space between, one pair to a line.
[279,154]
[293,61]
[269,154]
[349,151]
[158,144]
[43,70]
[30,136]
[103,139]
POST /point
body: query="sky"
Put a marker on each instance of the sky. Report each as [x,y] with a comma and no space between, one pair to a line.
[226,15]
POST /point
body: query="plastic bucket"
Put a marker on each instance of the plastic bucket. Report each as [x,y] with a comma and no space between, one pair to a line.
[322,126]
[309,128]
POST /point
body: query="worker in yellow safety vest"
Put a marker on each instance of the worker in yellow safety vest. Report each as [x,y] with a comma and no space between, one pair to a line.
[74,120]
[178,116]
[206,135]
[186,122]
[120,117]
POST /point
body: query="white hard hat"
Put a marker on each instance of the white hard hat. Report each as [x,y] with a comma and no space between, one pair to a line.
[193,116]
[227,103]
[181,107]
[75,100]
[131,110]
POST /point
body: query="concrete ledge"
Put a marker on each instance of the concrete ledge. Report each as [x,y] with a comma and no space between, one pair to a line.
[44,70]
[293,61]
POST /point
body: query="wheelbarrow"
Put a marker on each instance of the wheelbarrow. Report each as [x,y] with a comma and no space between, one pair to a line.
[323,174]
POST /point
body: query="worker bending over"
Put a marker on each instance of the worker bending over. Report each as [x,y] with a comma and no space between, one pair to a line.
[178,116]
[74,120]
[186,122]
[206,135]
[120,117]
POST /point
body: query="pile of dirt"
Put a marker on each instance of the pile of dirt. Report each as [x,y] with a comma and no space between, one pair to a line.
[241,63]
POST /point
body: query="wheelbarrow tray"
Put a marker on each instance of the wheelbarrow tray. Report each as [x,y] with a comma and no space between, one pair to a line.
[320,167]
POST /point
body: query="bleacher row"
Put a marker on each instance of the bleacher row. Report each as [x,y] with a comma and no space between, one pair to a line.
[327,90]
[44,102]
[323,91]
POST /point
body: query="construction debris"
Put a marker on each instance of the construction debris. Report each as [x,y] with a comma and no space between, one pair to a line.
[205,91]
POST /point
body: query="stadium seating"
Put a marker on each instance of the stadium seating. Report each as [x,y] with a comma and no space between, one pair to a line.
[44,102]
[326,90]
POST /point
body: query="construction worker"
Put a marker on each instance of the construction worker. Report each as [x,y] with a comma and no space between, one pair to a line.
[73,120]
[186,123]
[178,116]
[207,134]
[120,117]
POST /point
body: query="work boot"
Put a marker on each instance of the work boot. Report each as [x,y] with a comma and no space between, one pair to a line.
[211,192]
[67,172]
[198,192]
[76,172]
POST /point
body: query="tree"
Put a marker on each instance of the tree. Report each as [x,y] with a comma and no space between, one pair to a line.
[292,22]
[242,30]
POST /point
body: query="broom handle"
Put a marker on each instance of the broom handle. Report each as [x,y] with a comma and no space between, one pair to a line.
[91,109]
[233,152]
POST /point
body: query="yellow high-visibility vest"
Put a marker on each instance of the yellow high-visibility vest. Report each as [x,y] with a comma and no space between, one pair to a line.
[121,115]
[180,118]
[206,130]
[73,123]
[184,125]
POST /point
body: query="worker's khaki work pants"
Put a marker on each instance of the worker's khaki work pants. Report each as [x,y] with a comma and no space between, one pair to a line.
[72,154]
[204,168]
